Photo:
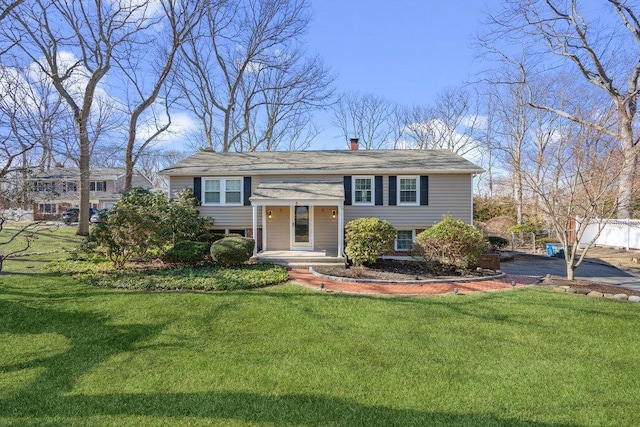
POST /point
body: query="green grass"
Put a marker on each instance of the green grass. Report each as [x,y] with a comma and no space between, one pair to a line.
[72,354]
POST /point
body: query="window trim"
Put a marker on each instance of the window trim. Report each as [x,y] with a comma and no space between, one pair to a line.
[52,211]
[372,193]
[395,240]
[67,184]
[399,201]
[95,183]
[223,191]
[44,187]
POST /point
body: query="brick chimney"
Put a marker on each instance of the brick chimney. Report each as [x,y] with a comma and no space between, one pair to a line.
[354,144]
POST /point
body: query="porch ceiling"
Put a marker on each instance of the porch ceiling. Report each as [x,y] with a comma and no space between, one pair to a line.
[309,192]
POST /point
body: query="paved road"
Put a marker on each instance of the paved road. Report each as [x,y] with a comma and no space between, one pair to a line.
[541,266]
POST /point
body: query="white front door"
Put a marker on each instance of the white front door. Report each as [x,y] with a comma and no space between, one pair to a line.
[301,228]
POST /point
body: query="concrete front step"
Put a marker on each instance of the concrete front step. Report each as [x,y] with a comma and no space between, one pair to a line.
[305,262]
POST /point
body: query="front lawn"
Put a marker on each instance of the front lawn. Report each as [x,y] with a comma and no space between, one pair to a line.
[73,354]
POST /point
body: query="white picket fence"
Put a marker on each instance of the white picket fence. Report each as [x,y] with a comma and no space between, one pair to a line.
[619,233]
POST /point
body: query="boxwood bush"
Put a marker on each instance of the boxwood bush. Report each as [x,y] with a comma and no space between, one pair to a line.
[451,241]
[367,239]
[231,251]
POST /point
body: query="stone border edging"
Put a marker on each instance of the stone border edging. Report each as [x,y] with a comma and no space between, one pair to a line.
[597,294]
[405,282]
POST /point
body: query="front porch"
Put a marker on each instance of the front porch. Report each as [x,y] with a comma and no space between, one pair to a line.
[301,258]
[302,222]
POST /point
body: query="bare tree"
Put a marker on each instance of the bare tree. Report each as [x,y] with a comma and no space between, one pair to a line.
[74,44]
[244,76]
[153,160]
[7,6]
[602,46]
[368,117]
[451,123]
[147,67]
[576,185]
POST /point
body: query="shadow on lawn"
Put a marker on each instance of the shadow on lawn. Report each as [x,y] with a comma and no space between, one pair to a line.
[93,340]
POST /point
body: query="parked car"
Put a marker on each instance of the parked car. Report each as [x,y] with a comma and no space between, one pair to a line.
[98,216]
[71,215]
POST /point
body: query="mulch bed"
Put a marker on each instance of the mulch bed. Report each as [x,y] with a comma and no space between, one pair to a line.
[391,269]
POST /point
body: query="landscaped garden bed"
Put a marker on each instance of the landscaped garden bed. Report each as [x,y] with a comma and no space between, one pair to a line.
[403,270]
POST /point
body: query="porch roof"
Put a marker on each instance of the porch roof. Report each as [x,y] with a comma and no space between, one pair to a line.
[307,192]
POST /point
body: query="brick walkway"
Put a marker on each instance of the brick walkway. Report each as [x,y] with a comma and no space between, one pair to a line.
[305,278]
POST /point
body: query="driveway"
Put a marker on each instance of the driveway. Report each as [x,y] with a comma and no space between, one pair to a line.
[597,272]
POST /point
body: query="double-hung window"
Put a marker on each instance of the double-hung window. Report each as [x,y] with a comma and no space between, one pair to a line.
[404,240]
[222,191]
[98,186]
[408,190]
[43,186]
[47,208]
[363,190]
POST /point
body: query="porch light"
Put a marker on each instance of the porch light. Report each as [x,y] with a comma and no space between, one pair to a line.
[333,214]
[270,213]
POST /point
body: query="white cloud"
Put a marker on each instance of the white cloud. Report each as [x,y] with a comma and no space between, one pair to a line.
[182,125]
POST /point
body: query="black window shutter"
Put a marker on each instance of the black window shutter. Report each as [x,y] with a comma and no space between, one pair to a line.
[247,190]
[392,190]
[378,188]
[347,190]
[197,189]
[424,190]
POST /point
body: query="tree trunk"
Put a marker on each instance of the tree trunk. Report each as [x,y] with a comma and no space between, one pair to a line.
[85,195]
[571,271]
[626,182]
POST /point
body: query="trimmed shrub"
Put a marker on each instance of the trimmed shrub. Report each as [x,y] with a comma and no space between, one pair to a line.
[231,251]
[497,242]
[451,241]
[187,251]
[367,239]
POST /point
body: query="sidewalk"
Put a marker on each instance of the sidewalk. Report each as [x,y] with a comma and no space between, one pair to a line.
[305,278]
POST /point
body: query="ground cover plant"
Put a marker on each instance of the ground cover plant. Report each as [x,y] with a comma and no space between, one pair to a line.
[74,354]
[183,278]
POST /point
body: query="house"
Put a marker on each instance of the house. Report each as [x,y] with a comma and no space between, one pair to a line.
[58,189]
[300,200]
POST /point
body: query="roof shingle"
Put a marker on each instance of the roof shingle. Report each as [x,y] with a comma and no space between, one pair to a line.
[322,162]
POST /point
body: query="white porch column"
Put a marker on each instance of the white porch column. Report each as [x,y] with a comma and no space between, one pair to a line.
[340,229]
[264,228]
[255,230]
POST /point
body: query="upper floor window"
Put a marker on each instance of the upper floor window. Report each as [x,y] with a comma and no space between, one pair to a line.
[98,186]
[408,190]
[43,186]
[222,191]
[363,190]
[70,186]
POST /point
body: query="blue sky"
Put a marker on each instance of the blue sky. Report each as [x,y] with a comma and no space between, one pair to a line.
[404,50]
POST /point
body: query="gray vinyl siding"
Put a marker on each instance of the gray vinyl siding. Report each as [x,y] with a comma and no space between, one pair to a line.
[448,195]
[223,216]
[326,230]
[278,229]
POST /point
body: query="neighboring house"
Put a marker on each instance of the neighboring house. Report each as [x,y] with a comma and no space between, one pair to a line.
[300,200]
[58,189]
